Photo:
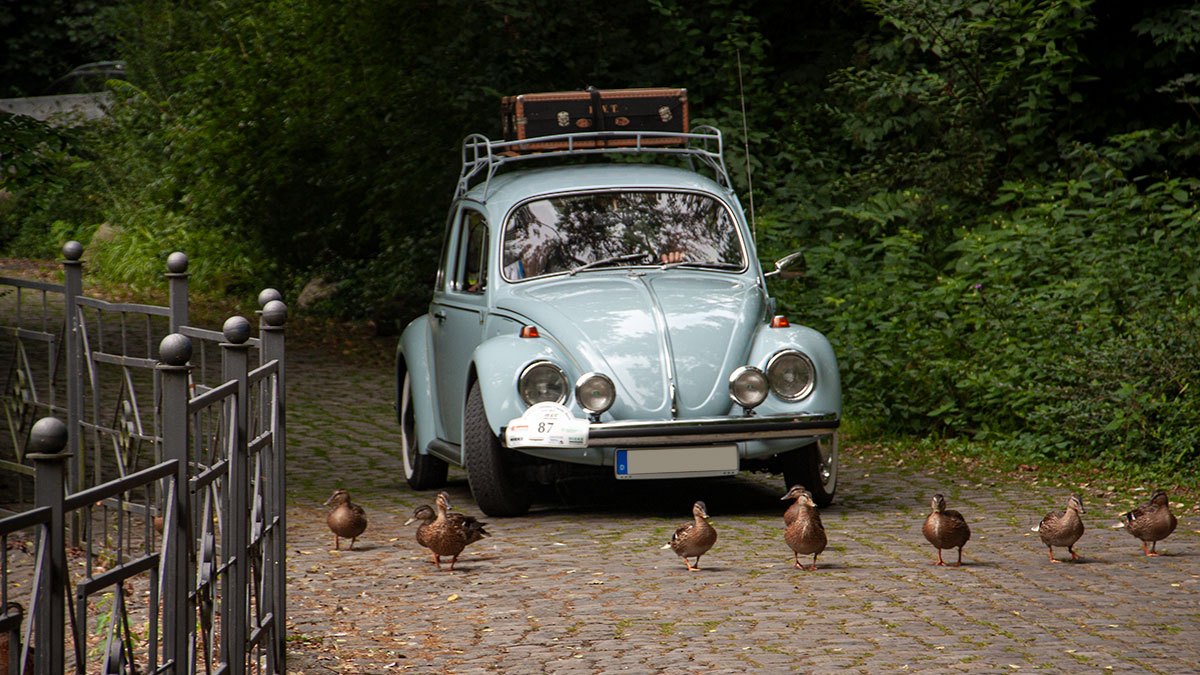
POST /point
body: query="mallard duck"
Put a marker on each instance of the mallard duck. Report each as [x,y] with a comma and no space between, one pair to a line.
[449,533]
[945,529]
[427,516]
[1151,522]
[693,539]
[804,534]
[1062,529]
[345,519]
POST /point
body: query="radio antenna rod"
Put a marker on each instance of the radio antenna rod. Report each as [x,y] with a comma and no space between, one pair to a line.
[746,142]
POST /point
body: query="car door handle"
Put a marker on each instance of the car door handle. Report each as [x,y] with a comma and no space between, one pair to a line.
[440,316]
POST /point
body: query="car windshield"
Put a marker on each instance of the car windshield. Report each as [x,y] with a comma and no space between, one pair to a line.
[572,233]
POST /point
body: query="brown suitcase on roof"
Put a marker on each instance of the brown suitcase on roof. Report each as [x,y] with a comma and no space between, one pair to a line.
[530,116]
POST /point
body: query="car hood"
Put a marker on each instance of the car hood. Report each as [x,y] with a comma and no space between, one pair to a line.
[649,331]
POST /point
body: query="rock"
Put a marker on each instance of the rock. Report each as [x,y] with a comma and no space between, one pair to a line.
[105,233]
[315,291]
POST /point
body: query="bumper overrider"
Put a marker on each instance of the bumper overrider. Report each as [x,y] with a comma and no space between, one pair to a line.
[632,433]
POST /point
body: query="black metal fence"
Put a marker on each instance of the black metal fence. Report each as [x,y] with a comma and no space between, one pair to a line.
[150,533]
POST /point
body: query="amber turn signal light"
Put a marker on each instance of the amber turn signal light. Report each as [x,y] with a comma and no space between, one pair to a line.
[529,332]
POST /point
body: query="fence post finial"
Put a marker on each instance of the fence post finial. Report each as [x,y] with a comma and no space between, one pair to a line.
[177,289]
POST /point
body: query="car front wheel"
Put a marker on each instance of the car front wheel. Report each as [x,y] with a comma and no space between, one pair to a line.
[497,485]
[423,472]
[815,466]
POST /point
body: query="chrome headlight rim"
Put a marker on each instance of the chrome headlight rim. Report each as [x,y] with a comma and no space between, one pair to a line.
[740,375]
[585,400]
[812,375]
[526,372]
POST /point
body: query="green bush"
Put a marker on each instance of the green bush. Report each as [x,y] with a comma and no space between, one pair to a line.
[49,185]
[1063,326]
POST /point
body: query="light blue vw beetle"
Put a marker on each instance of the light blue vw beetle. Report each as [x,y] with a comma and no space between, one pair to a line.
[612,316]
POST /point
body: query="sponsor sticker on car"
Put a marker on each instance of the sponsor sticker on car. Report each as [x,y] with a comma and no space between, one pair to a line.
[547,425]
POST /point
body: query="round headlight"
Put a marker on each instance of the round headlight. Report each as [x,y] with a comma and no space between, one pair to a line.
[792,375]
[748,386]
[542,381]
[595,393]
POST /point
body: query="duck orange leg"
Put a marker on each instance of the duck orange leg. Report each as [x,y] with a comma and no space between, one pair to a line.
[959,563]
[939,561]
[1074,555]
[814,565]
[1052,559]
[336,546]
[453,561]
[692,568]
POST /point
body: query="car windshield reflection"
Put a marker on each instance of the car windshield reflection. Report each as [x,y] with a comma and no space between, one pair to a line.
[575,233]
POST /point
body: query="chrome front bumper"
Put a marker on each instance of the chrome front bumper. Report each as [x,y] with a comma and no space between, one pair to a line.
[630,433]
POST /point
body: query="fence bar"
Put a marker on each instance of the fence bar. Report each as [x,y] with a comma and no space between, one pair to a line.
[47,439]
[117,486]
[174,352]
[116,575]
[73,289]
[272,318]
[235,531]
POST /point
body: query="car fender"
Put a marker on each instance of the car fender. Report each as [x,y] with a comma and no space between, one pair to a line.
[413,354]
[498,362]
[827,395]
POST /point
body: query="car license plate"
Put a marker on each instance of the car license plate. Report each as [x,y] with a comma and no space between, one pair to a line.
[687,462]
[547,425]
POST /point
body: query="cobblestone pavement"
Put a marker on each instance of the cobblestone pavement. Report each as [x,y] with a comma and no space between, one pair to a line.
[581,586]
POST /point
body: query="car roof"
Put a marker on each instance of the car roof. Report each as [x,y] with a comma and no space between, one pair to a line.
[507,189]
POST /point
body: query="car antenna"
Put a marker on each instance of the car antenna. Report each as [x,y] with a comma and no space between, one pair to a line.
[746,141]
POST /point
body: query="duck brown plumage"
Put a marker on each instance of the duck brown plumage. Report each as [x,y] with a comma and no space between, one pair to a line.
[945,529]
[449,533]
[1151,522]
[346,519]
[693,539]
[1062,529]
[804,534]
[427,516]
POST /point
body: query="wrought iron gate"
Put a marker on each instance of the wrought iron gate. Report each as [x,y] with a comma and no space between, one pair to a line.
[159,506]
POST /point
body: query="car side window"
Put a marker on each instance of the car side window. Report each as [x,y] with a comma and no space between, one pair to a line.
[473,245]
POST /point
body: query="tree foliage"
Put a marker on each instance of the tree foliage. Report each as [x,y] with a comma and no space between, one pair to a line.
[996,199]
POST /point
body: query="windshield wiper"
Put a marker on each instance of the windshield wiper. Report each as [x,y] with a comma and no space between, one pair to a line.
[607,261]
[698,263]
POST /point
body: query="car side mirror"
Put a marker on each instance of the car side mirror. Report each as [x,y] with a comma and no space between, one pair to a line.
[789,267]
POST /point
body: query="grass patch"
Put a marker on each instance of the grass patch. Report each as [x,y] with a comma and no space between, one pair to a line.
[976,462]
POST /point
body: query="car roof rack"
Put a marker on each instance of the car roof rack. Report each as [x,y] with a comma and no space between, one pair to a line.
[483,156]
